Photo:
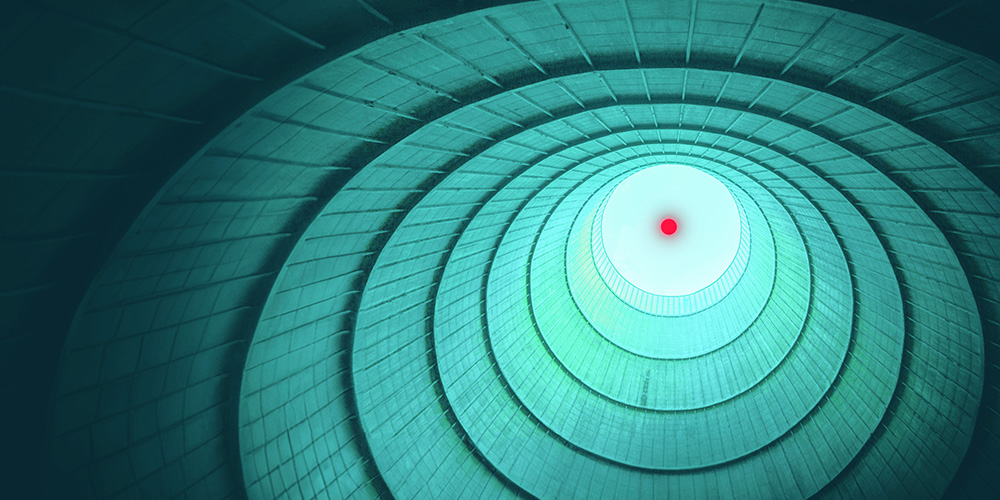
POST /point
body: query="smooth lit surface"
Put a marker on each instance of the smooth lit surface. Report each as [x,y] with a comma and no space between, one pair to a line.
[687,261]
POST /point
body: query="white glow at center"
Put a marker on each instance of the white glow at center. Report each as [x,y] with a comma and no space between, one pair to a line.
[707,237]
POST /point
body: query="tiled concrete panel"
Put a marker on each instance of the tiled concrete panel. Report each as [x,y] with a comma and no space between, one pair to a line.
[303,255]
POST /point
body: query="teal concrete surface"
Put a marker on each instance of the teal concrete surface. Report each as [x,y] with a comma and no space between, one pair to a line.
[279,250]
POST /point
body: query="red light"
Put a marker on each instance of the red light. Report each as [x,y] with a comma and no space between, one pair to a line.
[668,226]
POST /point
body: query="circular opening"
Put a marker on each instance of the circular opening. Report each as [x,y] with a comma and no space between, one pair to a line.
[649,250]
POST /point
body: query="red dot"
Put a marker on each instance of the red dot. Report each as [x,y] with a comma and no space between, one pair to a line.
[668,226]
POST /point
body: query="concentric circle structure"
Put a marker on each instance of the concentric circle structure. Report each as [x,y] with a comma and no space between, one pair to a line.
[398,279]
